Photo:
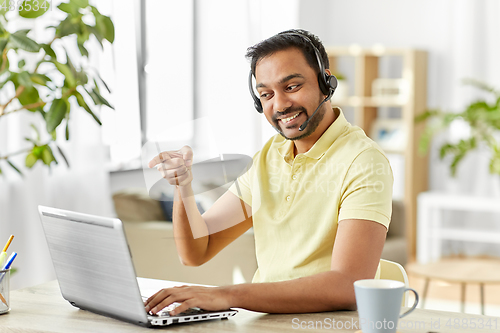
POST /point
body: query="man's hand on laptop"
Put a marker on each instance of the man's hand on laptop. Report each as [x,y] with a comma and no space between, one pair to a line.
[175,166]
[206,298]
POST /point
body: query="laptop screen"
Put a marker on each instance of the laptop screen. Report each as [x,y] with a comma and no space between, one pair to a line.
[93,264]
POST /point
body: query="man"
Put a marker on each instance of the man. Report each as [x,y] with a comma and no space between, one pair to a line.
[318,196]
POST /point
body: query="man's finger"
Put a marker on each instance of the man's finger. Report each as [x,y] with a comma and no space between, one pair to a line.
[161,157]
[187,155]
[184,306]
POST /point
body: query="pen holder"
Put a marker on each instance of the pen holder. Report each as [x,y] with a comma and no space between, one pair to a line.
[4,291]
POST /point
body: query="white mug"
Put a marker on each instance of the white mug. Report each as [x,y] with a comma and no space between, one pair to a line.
[379,304]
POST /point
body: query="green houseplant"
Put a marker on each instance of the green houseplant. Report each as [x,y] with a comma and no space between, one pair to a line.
[483,117]
[43,79]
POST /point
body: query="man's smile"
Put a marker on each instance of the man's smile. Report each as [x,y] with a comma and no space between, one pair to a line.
[288,119]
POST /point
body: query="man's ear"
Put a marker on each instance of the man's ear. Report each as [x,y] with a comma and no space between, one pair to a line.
[328,71]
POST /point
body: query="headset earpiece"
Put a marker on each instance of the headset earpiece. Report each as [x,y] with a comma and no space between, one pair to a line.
[332,81]
[256,100]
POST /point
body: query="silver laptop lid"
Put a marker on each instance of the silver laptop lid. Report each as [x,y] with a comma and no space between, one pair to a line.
[93,264]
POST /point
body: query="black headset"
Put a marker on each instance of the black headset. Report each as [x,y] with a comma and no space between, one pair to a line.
[327,83]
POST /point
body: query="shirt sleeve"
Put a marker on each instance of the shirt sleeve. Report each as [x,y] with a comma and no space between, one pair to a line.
[367,189]
[242,185]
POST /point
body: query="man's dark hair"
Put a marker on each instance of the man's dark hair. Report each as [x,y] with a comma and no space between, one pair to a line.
[285,40]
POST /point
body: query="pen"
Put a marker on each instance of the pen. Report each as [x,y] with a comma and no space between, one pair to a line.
[3,255]
[10,260]
[8,264]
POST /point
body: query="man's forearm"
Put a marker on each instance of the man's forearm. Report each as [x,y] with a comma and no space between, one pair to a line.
[190,230]
[327,291]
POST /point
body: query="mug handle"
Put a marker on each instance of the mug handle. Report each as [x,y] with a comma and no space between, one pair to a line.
[414,304]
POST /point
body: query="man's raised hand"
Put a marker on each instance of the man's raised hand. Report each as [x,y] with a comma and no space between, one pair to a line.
[175,166]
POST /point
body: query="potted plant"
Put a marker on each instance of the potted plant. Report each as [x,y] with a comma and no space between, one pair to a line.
[43,79]
[483,117]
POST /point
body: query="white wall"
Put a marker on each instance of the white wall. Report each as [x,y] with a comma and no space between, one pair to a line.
[221,76]
[462,39]
[226,28]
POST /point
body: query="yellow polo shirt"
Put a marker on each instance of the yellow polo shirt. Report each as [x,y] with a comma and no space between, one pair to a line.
[297,202]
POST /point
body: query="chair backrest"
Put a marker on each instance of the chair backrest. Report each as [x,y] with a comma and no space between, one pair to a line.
[391,270]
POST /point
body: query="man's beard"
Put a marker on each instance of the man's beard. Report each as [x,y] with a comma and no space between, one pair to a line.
[310,128]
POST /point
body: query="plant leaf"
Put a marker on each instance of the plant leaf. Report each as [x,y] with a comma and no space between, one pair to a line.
[63,156]
[40,79]
[30,160]
[83,104]
[83,50]
[56,114]
[101,99]
[48,156]
[70,65]
[480,85]
[109,28]
[37,132]
[97,34]
[15,168]
[7,65]
[24,79]
[66,71]
[67,27]
[3,44]
[82,77]
[427,114]
[69,8]
[23,32]
[20,40]
[80,3]
[102,81]
[29,96]
[32,13]
[48,50]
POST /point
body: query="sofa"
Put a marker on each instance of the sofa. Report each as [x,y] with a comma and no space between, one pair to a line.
[151,241]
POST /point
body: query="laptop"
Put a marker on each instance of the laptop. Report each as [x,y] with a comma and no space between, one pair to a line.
[94,268]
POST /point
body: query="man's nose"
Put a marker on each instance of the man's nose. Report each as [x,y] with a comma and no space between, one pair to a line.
[281,102]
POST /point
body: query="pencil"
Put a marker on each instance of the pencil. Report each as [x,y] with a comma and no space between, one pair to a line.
[8,243]
[3,300]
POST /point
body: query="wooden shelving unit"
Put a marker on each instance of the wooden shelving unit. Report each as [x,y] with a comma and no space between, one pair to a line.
[365,109]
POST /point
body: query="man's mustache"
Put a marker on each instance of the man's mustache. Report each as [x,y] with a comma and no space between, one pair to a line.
[287,111]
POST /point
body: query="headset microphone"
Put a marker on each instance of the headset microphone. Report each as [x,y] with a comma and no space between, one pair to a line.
[304,125]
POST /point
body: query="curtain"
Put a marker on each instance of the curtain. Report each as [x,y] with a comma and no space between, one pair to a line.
[83,187]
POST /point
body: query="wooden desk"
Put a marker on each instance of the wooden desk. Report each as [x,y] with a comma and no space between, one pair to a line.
[42,309]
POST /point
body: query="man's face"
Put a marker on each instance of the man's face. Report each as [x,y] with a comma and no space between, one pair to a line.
[289,92]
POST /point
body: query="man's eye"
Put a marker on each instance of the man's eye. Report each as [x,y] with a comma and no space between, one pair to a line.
[292,87]
[264,95]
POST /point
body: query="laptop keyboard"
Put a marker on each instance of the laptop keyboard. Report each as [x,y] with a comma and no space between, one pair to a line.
[188,312]
[165,311]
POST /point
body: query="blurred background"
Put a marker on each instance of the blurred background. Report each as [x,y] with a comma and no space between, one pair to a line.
[173,63]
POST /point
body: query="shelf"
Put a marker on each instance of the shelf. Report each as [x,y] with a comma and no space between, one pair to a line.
[468,235]
[359,101]
[378,79]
